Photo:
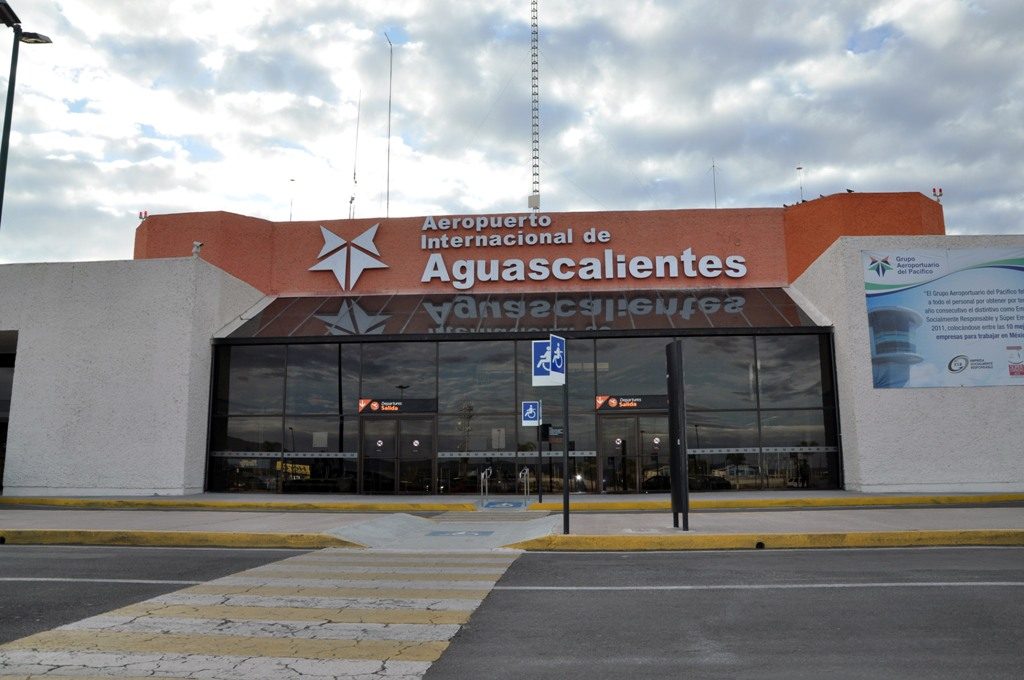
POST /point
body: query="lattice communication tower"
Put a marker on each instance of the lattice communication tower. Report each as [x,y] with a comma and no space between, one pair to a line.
[534,200]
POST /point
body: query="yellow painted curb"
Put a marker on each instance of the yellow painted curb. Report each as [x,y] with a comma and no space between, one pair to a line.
[688,541]
[762,503]
[190,539]
[188,504]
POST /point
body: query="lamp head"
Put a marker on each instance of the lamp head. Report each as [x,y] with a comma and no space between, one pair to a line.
[34,39]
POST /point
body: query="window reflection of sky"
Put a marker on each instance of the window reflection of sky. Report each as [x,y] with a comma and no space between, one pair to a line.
[472,432]
[388,365]
[790,371]
[256,379]
[721,429]
[631,366]
[464,312]
[476,375]
[719,372]
[792,428]
[312,379]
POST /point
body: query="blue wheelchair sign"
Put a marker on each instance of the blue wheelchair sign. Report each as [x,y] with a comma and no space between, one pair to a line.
[531,414]
[549,361]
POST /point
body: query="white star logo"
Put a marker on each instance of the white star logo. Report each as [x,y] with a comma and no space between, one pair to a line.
[348,259]
[351,319]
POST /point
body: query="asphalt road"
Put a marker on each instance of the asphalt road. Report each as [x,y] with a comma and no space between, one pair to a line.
[909,613]
[42,587]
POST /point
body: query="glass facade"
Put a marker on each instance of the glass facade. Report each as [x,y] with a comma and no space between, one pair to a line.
[278,422]
[431,415]
[760,412]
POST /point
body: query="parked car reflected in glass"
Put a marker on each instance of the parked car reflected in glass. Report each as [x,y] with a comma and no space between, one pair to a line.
[663,482]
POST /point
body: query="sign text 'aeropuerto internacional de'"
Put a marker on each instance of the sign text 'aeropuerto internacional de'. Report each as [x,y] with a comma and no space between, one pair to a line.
[445,237]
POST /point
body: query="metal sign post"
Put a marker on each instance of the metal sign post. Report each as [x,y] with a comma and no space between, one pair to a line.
[678,468]
[549,370]
[565,458]
[540,465]
[532,414]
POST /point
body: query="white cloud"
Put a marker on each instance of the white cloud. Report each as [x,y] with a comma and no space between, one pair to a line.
[195,105]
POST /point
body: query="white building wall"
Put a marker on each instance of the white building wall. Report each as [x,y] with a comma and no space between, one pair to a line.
[112,375]
[934,439]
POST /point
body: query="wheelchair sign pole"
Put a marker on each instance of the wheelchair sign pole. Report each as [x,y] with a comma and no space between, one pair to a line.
[532,415]
[549,364]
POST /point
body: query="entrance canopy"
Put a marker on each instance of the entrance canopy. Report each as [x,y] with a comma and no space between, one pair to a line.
[403,315]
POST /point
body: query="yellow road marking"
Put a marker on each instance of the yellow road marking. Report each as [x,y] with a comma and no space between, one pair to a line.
[753,503]
[55,676]
[358,576]
[160,643]
[327,615]
[347,561]
[854,539]
[369,591]
[214,539]
[340,506]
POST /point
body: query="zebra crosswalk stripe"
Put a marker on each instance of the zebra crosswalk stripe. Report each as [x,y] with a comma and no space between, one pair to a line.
[329,614]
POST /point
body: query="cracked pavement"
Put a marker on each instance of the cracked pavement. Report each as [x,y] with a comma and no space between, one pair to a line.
[333,614]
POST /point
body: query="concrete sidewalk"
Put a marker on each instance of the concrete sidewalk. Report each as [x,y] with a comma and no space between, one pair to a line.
[741,521]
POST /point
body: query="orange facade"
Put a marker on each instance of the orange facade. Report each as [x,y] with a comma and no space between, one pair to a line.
[524,252]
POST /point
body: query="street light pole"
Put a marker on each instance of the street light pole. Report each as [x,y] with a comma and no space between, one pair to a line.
[9,18]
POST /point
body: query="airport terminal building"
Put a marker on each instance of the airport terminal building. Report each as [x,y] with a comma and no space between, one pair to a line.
[844,342]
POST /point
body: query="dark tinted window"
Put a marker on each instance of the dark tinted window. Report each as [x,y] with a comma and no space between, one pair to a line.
[312,434]
[580,367]
[719,372]
[6,384]
[350,379]
[721,429]
[399,370]
[631,366]
[790,373]
[793,428]
[247,433]
[476,375]
[313,379]
[468,432]
[251,379]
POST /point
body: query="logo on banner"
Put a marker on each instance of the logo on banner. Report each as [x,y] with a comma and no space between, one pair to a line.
[349,260]
[958,363]
[879,265]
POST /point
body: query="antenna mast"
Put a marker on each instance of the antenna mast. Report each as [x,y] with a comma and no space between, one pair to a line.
[355,160]
[714,179]
[534,201]
[391,71]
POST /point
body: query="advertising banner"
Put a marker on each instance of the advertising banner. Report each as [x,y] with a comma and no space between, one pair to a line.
[945,318]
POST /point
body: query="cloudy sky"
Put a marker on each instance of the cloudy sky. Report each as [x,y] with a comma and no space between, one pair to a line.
[252,107]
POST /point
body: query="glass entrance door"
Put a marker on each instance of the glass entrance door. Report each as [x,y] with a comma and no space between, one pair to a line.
[632,454]
[416,455]
[380,454]
[398,455]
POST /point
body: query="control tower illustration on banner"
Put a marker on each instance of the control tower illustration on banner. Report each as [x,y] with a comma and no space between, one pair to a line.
[893,349]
